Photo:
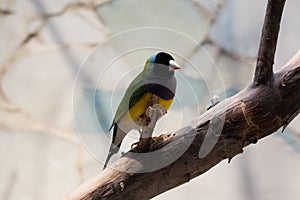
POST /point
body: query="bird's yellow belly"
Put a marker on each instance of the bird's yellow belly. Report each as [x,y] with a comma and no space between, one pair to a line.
[141,106]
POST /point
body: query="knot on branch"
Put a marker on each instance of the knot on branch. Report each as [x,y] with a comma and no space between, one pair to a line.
[291,77]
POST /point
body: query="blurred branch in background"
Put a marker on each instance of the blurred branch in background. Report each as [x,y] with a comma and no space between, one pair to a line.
[207,40]
[5,11]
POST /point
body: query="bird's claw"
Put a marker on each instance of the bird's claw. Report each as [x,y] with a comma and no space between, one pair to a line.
[140,146]
[134,145]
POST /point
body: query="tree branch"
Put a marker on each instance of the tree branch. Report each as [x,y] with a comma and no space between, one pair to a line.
[268,42]
[252,114]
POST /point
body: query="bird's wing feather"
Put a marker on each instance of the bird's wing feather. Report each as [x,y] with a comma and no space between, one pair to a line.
[135,91]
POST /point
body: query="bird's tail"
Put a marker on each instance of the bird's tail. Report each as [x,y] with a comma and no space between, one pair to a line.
[112,150]
[118,136]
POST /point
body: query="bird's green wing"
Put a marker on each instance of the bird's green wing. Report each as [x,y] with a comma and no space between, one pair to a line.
[135,91]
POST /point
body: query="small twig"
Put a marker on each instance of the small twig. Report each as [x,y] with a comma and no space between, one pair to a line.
[268,42]
[214,101]
[73,5]
[153,113]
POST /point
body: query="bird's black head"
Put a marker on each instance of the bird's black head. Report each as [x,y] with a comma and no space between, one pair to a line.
[162,58]
[163,64]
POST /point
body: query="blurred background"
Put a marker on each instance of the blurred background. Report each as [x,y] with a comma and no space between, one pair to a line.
[65,64]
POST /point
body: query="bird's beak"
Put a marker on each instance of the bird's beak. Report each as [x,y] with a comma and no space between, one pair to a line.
[173,65]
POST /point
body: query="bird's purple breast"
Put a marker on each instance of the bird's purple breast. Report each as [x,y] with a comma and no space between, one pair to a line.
[163,88]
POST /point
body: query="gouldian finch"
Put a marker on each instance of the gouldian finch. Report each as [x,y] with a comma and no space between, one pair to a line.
[157,78]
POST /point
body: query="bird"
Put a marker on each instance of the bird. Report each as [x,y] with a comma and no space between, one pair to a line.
[156,79]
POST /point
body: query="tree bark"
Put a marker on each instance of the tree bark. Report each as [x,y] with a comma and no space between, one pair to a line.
[270,102]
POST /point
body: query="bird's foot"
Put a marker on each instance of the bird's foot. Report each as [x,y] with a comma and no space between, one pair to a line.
[144,145]
[134,145]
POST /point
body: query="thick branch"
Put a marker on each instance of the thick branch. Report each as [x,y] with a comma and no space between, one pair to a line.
[268,42]
[234,123]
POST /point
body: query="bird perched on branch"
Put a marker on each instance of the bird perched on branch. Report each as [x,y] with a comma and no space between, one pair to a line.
[157,81]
